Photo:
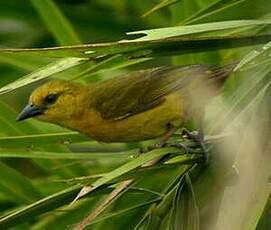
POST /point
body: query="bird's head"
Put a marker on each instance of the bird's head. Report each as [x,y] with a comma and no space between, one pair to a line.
[56,101]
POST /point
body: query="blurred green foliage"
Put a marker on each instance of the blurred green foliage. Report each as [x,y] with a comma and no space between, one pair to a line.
[43,166]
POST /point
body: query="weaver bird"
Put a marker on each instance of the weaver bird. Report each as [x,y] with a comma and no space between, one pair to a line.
[141,105]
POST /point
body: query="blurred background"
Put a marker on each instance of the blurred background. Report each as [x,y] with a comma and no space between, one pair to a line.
[38,161]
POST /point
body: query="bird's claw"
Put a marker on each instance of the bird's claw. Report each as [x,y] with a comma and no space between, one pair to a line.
[193,135]
[163,145]
[178,145]
[198,137]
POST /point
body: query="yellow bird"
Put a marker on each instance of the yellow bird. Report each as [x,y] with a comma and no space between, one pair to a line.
[141,105]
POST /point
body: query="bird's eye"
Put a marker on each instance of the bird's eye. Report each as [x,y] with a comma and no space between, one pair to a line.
[51,98]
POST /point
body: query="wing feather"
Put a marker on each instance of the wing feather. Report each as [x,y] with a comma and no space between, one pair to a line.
[142,90]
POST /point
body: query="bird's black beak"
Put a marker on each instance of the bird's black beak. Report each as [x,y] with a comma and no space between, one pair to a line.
[29,111]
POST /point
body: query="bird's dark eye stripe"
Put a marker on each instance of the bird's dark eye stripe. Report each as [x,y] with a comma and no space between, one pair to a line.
[51,98]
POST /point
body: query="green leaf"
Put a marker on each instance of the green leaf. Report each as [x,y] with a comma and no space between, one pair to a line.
[36,140]
[10,127]
[257,78]
[17,187]
[142,159]
[64,155]
[136,173]
[56,22]
[211,9]
[159,6]
[185,214]
[165,39]
[35,155]
[163,33]
[43,73]
[123,211]
[41,206]
[265,221]
[23,62]
[157,216]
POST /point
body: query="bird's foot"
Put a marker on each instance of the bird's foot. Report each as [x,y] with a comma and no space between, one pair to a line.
[163,141]
[179,145]
[163,144]
[198,137]
[193,135]
[152,147]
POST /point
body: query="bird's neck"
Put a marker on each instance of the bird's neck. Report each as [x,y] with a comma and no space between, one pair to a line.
[83,120]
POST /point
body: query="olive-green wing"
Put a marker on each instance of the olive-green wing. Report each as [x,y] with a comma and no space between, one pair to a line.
[139,91]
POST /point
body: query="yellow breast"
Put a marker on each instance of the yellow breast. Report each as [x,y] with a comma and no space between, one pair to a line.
[145,125]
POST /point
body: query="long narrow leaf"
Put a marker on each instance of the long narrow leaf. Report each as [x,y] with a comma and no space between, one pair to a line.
[43,72]
[19,187]
[56,22]
[41,139]
[126,168]
[159,6]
